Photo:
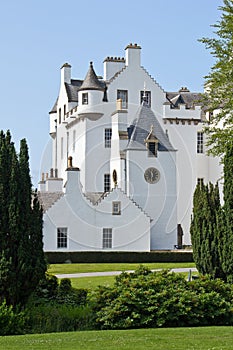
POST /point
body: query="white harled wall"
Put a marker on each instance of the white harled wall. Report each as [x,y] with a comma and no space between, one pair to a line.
[170,200]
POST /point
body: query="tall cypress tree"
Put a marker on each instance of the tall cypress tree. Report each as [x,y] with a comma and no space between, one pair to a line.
[22,262]
[203,230]
[227,251]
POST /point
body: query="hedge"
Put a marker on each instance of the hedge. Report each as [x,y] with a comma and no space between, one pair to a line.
[119,257]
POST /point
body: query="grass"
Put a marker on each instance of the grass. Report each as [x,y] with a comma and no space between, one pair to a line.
[92,282]
[206,338]
[79,268]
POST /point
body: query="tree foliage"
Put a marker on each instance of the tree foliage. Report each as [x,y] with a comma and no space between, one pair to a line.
[204,230]
[146,299]
[22,262]
[219,82]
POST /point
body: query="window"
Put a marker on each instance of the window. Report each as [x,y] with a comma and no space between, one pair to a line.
[62,147]
[200,148]
[123,95]
[107,238]
[106,182]
[107,137]
[64,111]
[85,98]
[147,97]
[200,181]
[116,208]
[74,139]
[62,237]
[59,116]
[152,149]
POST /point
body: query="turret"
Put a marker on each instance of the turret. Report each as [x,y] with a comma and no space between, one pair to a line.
[92,91]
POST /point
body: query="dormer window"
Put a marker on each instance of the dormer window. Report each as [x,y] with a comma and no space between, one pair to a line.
[85,98]
[152,143]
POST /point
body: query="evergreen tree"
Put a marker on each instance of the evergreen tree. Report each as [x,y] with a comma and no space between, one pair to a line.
[22,262]
[219,82]
[203,230]
[227,251]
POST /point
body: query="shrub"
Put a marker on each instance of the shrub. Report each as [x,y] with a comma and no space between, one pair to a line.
[58,318]
[11,322]
[162,299]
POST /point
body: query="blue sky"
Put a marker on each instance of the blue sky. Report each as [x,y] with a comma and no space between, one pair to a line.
[37,37]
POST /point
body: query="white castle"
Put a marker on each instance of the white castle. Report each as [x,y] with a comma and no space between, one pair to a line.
[126,156]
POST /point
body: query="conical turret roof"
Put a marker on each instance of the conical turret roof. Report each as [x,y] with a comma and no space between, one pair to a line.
[91,82]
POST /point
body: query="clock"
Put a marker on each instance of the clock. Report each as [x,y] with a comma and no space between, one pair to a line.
[152,175]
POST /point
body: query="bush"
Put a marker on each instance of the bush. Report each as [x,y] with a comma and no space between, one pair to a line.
[58,318]
[11,322]
[162,299]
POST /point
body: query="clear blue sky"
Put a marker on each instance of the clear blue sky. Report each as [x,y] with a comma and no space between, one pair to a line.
[37,37]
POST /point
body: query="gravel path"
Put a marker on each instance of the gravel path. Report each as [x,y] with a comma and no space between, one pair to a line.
[115,273]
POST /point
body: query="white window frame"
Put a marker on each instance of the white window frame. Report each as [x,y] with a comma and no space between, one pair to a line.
[147,95]
[123,95]
[62,234]
[107,238]
[116,208]
[107,137]
[200,142]
[84,98]
[107,182]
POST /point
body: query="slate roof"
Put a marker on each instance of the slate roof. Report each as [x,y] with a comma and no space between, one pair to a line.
[141,128]
[183,96]
[91,82]
[72,90]
[47,199]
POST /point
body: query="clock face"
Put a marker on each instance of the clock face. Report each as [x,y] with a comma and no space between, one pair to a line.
[152,175]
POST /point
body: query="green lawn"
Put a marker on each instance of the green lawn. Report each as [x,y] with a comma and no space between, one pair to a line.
[77,268]
[92,282]
[206,338]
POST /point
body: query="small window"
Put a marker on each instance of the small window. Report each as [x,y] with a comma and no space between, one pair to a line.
[59,116]
[200,143]
[64,111]
[116,208]
[152,149]
[123,95]
[85,98]
[107,184]
[200,181]
[107,137]
[147,95]
[62,237]
[107,238]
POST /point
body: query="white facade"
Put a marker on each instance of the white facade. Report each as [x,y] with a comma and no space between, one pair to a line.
[137,147]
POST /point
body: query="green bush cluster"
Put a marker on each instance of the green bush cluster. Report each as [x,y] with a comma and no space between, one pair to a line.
[162,299]
[11,321]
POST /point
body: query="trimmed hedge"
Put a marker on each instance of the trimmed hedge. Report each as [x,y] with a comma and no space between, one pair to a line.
[119,257]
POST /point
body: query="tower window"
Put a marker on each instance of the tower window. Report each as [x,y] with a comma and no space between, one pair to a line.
[107,137]
[59,115]
[147,95]
[107,238]
[85,98]
[64,111]
[200,143]
[116,208]
[107,185]
[123,95]
[62,147]
[62,237]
